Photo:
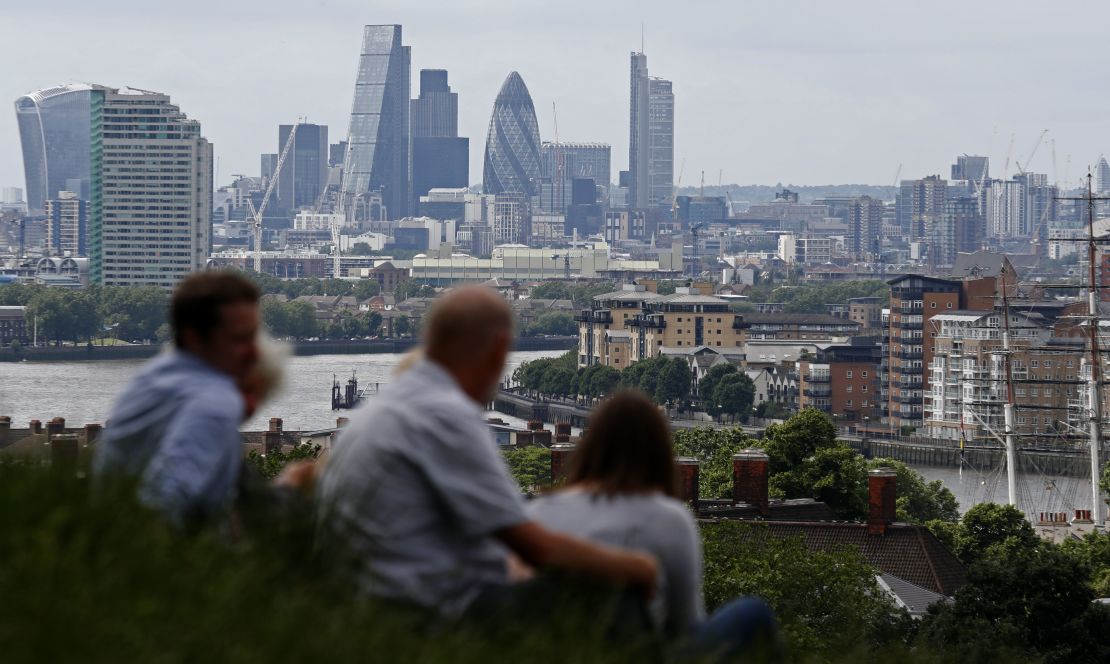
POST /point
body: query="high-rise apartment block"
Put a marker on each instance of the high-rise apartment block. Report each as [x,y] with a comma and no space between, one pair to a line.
[965,221]
[651,137]
[512,160]
[865,224]
[1102,177]
[440,157]
[67,218]
[55,134]
[150,215]
[305,171]
[377,161]
[565,164]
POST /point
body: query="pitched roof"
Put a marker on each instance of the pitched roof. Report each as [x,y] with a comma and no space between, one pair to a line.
[913,598]
[797,509]
[909,552]
[979,265]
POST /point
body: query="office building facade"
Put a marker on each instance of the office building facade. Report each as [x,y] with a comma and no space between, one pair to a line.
[55,135]
[865,224]
[512,159]
[971,167]
[305,171]
[377,159]
[440,157]
[639,178]
[660,142]
[151,207]
[564,164]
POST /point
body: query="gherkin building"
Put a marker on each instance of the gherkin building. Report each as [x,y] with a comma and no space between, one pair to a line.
[512,163]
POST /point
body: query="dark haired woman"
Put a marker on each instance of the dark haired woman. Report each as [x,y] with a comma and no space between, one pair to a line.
[620,491]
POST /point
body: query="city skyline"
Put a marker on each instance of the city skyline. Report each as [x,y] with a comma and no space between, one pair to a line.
[768,94]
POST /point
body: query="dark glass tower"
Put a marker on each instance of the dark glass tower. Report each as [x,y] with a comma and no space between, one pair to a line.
[377,158]
[440,157]
[305,171]
[54,129]
[512,163]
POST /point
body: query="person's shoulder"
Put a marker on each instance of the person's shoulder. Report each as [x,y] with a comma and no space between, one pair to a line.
[216,396]
[673,511]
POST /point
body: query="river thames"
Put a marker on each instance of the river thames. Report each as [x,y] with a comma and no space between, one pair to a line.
[83,392]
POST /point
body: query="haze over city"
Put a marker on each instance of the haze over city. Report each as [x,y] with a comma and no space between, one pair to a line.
[789,92]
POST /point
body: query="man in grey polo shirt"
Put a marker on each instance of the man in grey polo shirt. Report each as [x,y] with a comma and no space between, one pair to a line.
[417,486]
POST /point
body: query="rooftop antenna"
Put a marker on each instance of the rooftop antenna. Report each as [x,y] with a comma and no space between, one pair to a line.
[641,37]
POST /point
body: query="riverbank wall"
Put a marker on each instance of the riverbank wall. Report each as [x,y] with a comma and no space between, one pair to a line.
[361,347]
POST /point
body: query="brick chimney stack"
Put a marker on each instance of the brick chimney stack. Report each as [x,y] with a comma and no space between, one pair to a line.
[562,432]
[275,424]
[689,472]
[5,428]
[750,469]
[882,494]
[92,432]
[560,461]
[35,426]
[535,425]
[341,422]
[55,426]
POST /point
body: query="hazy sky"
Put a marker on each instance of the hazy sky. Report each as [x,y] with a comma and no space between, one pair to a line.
[784,91]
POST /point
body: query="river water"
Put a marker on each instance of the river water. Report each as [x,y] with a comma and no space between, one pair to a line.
[83,392]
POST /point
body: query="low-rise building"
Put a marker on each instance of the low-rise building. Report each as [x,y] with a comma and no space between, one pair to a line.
[13,325]
[797,326]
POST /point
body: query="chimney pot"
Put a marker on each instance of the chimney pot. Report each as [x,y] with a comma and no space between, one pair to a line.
[275,424]
[689,473]
[55,427]
[882,488]
[535,425]
[35,426]
[750,469]
[5,427]
[341,422]
[560,460]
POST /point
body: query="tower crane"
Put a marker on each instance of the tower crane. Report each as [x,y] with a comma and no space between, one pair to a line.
[1032,153]
[257,214]
[566,263]
[695,268]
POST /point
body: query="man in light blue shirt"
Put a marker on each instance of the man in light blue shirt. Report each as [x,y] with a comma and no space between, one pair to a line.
[417,488]
[175,427]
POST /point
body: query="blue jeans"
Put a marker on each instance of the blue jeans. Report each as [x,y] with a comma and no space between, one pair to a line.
[737,627]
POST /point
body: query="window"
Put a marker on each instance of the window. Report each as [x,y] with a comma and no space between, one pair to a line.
[1048,364]
[949,305]
[864,374]
[1034,363]
[848,402]
[932,305]
[848,389]
[863,389]
[848,374]
[680,343]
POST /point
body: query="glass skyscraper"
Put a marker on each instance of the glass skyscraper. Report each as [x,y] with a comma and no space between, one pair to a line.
[378,157]
[512,163]
[651,138]
[54,131]
[305,171]
[440,157]
[638,153]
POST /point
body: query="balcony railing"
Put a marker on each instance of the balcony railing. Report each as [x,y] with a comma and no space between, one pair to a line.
[910,354]
[601,317]
[817,391]
[655,322]
[907,400]
[816,378]
[913,371]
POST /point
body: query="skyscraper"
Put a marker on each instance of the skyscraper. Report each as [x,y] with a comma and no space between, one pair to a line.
[378,157]
[865,225]
[971,167]
[55,134]
[512,163]
[651,138]
[151,171]
[305,171]
[440,157]
[563,163]
[638,134]
[1102,176]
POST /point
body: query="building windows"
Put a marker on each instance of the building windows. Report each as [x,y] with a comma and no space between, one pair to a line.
[848,374]
[848,389]
[864,374]
[932,305]
[848,403]
[949,305]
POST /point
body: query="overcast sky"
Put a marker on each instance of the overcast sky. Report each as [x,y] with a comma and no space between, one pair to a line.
[766,92]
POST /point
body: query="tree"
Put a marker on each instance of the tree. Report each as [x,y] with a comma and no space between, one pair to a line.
[271,464]
[361,249]
[713,448]
[552,322]
[529,466]
[772,410]
[673,382]
[989,526]
[734,394]
[558,381]
[402,326]
[275,316]
[1023,602]
[826,601]
[301,320]
[365,289]
[602,381]
[920,501]
[708,383]
[792,442]
[835,475]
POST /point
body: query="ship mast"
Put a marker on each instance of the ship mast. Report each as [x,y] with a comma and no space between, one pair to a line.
[1008,407]
[1094,381]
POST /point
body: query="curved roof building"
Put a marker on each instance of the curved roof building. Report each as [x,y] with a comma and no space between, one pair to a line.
[512,164]
[54,130]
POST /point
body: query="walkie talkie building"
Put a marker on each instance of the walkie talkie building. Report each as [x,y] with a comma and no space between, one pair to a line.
[55,134]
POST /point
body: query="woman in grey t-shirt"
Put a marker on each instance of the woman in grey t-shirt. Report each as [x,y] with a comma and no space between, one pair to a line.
[620,491]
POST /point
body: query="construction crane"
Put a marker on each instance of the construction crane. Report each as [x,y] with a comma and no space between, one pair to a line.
[1032,153]
[694,269]
[257,214]
[566,264]
[677,184]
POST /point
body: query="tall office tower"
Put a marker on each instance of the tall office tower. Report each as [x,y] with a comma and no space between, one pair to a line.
[563,163]
[971,167]
[963,215]
[54,132]
[511,219]
[661,142]
[305,171]
[865,225]
[268,164]
[440,157]
[67,218]
[1040,206]
[12,196]
[639,152]
[512,163]
[378,157]
[1102,177]
[336,153]
[150,216]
